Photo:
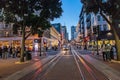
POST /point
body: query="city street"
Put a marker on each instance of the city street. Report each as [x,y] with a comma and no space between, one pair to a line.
[59,39]
[62,65]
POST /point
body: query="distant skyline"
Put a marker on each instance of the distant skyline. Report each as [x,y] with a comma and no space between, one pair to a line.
[70,15]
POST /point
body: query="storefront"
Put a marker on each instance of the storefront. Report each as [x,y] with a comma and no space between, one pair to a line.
[15,42]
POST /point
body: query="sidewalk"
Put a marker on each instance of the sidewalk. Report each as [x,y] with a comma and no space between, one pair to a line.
[113,63]
[12,65]
[109,68]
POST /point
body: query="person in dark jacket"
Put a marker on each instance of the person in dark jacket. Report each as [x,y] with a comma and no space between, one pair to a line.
[5,52]
[111,53]
[0,52]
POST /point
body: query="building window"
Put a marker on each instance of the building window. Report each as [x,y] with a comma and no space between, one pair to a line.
[6,25]
[100,28]
[103,19]
[93,20]
[98,17]
[104,1]
[105,27]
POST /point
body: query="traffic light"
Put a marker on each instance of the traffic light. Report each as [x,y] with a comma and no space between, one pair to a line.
[96,30]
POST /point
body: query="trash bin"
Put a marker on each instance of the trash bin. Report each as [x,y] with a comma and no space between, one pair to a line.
[28,55]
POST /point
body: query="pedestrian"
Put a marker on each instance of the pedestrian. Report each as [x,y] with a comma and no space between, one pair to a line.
[5,52]
[18,51]
[108,47]
[111,53]
[114,52]
[13,52]
[0,52]
[9,51]
[104,52]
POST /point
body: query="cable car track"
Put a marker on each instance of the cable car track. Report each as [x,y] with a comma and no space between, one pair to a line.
[41,71]
[86,72]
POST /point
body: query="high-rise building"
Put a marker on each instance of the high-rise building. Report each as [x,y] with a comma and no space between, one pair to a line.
[64,34]
[64,31]
[67,36]
[73,32]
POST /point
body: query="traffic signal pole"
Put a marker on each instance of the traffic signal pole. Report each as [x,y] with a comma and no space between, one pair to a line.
[97,27]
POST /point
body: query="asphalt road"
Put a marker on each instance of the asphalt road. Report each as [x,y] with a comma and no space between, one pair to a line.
[67,66]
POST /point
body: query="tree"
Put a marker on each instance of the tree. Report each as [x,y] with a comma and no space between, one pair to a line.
[35,14]
[108,7]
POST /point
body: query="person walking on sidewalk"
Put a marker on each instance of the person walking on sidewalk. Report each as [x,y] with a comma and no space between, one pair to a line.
[0,52]
[13,52]
[5,52]
[104,52]
[108,47]
[111,53]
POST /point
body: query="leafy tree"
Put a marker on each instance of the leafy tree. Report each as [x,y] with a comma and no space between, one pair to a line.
[106,7]
[35,14]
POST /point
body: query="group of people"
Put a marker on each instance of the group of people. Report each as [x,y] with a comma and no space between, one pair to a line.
[10,51]
[54,48]
[108,52]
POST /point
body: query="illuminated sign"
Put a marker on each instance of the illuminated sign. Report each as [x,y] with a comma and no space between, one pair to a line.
[36,40]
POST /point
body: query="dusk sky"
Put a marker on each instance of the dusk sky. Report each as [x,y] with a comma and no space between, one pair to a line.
[70,15]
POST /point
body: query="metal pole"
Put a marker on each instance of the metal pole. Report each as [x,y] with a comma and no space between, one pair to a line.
[40,47]
[97,46]
[97,39]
